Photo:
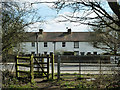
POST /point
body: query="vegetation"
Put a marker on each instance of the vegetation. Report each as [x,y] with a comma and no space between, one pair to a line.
[86,81]
[16,17]
[14,22]
[96,8]
[105,21]
[106,39]
[68,53]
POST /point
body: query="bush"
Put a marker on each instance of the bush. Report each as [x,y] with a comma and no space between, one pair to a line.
[68,53]
[108,81]
[9,80]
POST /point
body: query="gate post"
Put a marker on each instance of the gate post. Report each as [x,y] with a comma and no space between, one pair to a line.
[31,69]
[48,64]
[42,60]
[52,66]
[79,68]
[16,66]
[58,67]
[100,63]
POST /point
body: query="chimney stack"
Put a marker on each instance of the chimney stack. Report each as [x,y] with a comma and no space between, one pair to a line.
[40,31]
[69,30]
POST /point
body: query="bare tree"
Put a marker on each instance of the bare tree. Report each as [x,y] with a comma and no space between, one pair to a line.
[15,18]
[106,39]
[106,25]
[86,8]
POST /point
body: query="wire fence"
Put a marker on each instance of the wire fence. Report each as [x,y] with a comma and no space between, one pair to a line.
[84,65]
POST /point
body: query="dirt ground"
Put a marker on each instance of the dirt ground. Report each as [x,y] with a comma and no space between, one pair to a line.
[45,84]
[65,82]
[69,82]
[76,82]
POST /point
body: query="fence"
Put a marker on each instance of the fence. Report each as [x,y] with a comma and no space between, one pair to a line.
[37,66]
[83,65]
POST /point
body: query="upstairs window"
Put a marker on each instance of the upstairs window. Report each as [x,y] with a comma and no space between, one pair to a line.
[76,44]
[33,44]
[94,44]
[63,44]
[45,44]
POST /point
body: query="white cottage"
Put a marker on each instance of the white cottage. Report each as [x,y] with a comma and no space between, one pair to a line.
[46,42]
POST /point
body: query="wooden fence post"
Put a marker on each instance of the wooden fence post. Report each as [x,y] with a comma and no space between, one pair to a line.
[17,67]
[38,61]
[80,68]
[48,63]
[31,69]
[42,60]
[58,67]
[52,66]
[99,65]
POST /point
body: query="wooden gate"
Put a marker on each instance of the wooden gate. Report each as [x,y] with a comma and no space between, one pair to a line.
[34,66]
[42,67]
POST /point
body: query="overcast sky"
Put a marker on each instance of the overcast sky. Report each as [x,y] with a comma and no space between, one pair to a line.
[52,17]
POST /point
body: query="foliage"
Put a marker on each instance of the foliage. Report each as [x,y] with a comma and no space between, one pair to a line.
[105,23]
[8,78]
[10,81]
[16,17]
[100,82]
[106,39]
[68,53]
[88,13]
[107,81]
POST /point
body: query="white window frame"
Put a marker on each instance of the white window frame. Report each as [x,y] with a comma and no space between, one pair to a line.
[33,44]
[76,44]
[45,44]
[63,44]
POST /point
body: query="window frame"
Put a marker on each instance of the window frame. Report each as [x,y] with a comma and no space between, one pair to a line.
[63,44]
[45,44]
[33,44]
[76,44]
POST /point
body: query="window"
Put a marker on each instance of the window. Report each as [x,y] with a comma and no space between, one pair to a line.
[45,44]
[63,44]
[94,44]
[32,52]
[76,52]
[76,44]
[33,44]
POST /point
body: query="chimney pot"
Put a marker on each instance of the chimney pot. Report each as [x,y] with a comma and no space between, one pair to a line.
[69,31]
[40,31]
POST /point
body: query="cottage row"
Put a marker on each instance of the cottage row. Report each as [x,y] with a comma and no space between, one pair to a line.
[57,42]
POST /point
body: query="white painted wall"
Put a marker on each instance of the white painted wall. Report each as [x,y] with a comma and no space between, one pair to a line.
[83,47]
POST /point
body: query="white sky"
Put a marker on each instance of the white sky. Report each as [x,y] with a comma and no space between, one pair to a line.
[52,25]
[51,17]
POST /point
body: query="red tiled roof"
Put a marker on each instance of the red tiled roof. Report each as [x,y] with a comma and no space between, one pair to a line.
[59,36]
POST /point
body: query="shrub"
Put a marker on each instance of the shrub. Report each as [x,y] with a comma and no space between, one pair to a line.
[68,53]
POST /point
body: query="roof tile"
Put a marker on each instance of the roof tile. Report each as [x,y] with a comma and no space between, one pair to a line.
[58,36]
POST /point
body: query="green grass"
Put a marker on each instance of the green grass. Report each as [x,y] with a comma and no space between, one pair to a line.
[102,81]
[28,85]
